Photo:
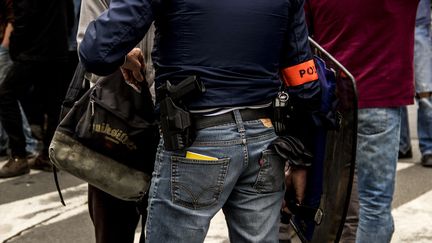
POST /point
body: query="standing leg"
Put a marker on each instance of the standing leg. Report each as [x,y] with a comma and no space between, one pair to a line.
[114,220]
[423,83]
[405,150]
[50,88]
[351,222]
[16,84]
[378,140]
[5,64]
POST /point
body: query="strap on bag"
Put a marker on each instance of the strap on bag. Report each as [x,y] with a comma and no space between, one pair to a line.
[58,185]
[77,87]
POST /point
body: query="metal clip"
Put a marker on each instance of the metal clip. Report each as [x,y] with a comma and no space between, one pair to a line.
[282,99]
[92,107]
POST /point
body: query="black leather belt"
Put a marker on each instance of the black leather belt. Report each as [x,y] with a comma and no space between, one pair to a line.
[202,122]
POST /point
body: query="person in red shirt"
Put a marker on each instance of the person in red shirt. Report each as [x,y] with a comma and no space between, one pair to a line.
[375,41]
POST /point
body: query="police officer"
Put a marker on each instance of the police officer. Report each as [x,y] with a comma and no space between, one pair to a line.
[240,50]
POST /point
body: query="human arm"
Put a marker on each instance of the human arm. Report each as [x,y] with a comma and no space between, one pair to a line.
[132,69]
[6,36]
[113,34]
[298,159]
[300,79]
[295,180]
[298,69]
[9,19]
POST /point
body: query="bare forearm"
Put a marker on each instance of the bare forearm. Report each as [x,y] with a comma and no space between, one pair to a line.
[8,31]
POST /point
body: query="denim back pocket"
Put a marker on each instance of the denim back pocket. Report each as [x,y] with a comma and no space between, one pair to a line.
[271,175]
[197,183]
[377,120]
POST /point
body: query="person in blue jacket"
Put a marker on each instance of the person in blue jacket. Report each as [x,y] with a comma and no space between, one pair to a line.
[240,50]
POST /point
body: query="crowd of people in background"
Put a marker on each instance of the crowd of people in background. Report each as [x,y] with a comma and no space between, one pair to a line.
[234,46]
[37,79]
[423,89]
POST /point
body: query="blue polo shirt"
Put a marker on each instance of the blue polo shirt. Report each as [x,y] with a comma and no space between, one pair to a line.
[237,47]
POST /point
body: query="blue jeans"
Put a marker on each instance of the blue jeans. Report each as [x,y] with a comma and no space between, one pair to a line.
[377,155]
[405,135]
[246,181]
[423,84]
[31,143]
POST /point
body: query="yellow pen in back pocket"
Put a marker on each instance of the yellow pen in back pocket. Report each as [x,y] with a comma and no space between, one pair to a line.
[197,156]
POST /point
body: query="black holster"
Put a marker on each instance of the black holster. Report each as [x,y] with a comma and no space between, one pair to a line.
[176,125]
[281,112]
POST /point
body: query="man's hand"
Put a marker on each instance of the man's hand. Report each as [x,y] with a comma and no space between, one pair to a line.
[133,67]
[295,181]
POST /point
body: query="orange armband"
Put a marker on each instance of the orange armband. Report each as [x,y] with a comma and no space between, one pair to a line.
[300,74]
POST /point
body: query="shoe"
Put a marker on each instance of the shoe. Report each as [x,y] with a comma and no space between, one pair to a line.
[426,160]
[406,155]
[41,162]
[16,166]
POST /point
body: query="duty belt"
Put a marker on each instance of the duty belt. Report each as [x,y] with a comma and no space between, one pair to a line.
[202,122]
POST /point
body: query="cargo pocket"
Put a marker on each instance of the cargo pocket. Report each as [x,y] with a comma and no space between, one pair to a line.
[271,174]
[197,183]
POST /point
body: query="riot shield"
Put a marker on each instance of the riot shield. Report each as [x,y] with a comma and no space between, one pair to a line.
[321,217]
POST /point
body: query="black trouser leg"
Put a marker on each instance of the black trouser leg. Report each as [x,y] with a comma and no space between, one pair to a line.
[57,92]
[50,82]
[351,222]
[114,220]
[15,85]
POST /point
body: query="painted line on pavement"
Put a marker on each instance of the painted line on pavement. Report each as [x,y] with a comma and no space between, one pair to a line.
[19,216]
[412,221]
[402,166]
[217,233]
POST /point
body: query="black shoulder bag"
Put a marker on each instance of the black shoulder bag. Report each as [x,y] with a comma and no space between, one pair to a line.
[107,137]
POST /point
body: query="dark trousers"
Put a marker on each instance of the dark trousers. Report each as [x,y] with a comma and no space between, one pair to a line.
[351,222]
[40,87]
[114,220]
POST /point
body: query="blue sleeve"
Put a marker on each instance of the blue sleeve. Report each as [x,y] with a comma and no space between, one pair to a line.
[113,34]
[296,47]
[305,98]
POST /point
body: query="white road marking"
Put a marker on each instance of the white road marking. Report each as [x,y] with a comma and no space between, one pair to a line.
[217,233]
[413,221]
[401,166]
[22,215]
